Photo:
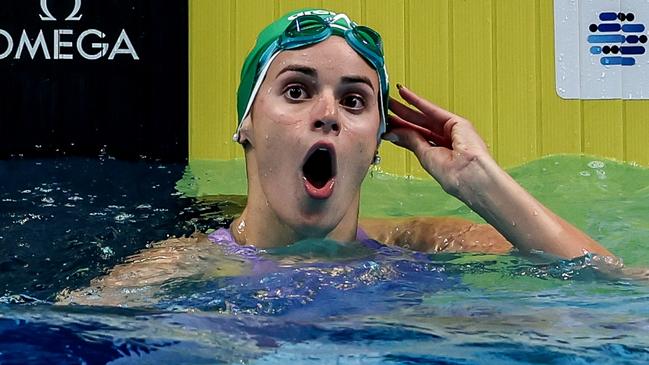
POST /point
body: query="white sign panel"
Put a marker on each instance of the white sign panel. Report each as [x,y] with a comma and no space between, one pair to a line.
[600,49]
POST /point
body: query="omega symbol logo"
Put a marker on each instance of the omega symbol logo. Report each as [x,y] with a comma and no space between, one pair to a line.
[74,15]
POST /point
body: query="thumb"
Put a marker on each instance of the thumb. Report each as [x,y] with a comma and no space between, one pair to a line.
[406,138]
[432,158]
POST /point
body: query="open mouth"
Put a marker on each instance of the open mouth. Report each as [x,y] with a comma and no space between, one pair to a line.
[319,170]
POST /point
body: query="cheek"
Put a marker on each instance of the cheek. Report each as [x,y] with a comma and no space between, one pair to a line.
[278,111]
[277,130]
[366,152]
[276,147]
[360,151]
[363,129]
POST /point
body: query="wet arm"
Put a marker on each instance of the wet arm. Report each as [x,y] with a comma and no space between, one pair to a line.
[137,280]
[436,234]
[451,151]
[515,213]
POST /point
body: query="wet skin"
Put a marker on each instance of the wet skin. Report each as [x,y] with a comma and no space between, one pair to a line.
[324,95]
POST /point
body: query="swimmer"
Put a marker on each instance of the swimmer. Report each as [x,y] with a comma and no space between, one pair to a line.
[313,108]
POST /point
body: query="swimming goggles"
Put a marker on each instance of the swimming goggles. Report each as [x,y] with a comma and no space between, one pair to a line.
[310,29]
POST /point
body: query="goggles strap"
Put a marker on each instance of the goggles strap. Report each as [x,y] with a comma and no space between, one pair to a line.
[255,89]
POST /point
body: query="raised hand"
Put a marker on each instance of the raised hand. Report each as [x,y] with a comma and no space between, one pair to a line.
[444,143]
[451,150]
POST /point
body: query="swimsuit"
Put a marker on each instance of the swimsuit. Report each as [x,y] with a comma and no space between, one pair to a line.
[381,279]
[223,237]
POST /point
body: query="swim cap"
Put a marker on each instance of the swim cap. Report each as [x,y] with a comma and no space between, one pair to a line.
[277,37]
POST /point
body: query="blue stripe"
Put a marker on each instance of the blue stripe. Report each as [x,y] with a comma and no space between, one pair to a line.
[624,61]
[628,61]
[632,50]
[633,28]
[632,38]
[609,27]
[595,50]
[613,38]
[607,16]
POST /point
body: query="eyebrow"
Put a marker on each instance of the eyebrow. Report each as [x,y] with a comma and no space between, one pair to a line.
[357,79]
[312,72]
[309,71]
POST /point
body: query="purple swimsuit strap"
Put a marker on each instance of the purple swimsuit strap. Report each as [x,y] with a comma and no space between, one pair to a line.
[223,237]
[361,235]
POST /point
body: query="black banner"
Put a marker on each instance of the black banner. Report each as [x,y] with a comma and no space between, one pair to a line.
[85,76]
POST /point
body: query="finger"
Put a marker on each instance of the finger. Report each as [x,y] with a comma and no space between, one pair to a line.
[405,112]
[431,110]
[414,116]
[431,136]
[431,158]
[407,138]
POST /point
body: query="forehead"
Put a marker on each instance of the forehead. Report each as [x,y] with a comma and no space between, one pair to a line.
[332,57]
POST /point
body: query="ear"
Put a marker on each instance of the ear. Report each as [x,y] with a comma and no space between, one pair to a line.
[245,132]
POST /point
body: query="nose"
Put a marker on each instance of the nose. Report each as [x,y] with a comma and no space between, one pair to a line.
[325,115]
[327,125]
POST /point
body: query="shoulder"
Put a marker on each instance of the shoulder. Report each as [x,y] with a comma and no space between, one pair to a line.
[436,234]
[135,281]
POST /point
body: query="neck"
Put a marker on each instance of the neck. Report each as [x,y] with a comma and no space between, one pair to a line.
[259,226]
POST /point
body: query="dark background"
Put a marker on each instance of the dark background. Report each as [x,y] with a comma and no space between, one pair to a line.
[124,108]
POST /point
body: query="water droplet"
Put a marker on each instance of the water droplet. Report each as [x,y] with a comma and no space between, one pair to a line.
[596,164]
[121,217]
[106,252]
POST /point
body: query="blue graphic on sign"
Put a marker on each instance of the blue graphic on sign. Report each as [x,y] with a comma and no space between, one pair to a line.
[614,44]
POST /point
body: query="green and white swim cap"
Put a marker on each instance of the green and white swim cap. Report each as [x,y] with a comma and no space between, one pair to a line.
[300,29]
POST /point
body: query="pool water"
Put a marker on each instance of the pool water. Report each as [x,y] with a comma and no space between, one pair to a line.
[67,220]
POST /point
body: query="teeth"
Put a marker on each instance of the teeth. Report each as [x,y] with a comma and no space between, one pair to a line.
[322,149]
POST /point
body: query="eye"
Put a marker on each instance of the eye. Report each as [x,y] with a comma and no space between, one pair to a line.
[353,102]
[296,92]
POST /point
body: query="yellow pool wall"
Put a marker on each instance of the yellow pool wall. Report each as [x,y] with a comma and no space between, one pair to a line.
[491,61]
